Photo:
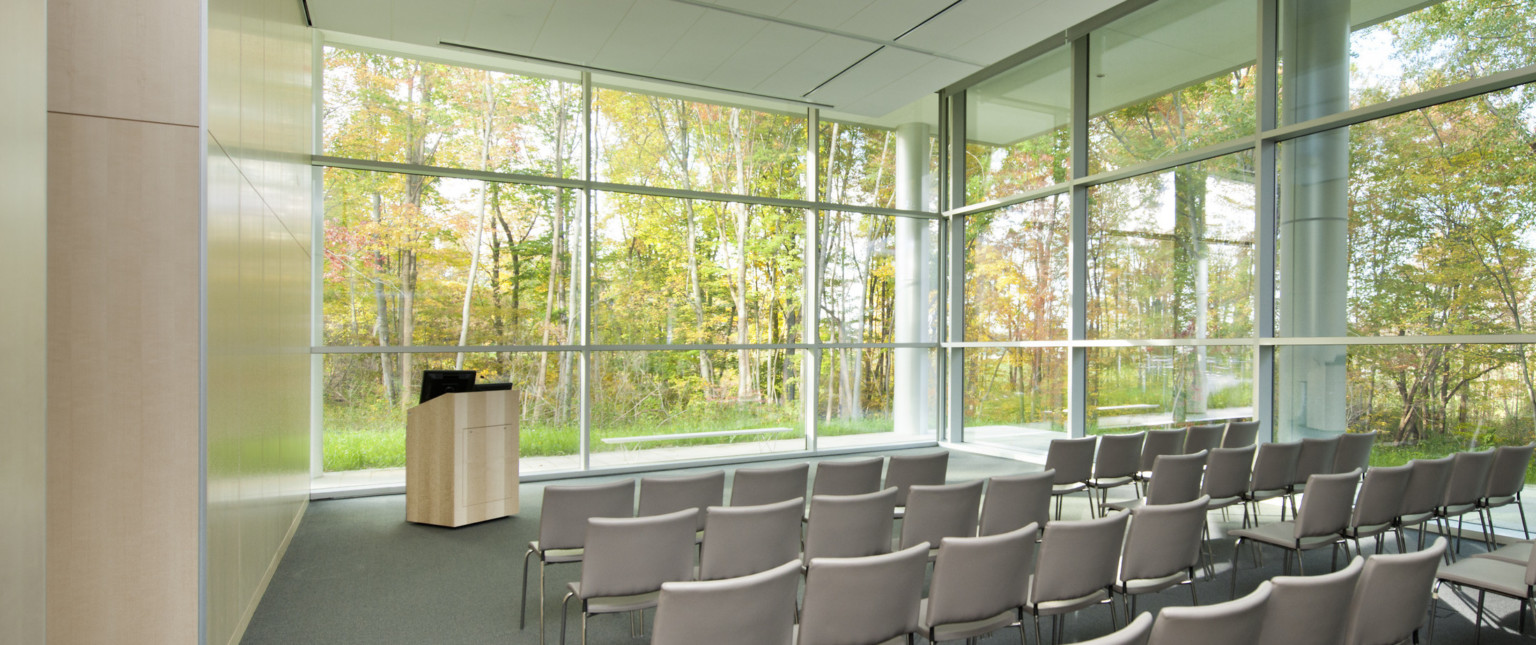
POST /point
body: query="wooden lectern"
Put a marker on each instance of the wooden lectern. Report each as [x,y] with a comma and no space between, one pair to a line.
[461,458]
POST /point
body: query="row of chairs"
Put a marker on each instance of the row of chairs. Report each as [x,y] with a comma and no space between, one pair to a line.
[1380,599]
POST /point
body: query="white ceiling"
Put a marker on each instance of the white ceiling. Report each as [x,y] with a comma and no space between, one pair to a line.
[864,58]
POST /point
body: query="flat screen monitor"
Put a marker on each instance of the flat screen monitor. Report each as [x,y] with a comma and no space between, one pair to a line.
[435,383]
[491,387]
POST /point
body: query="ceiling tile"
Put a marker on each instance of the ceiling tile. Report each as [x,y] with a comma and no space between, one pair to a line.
[964,21]
[816,64]
[875,72]
[576,29]
[707,44]
[887,19]
[506,25]
[761,57]
[352,16]
[827,14]
[917,83]
[417,22]
[633,45]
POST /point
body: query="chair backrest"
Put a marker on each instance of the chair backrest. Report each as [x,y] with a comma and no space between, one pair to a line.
[1426,485]
[1235,621]
[854,477]
[937,512]
[1240,433]
[1274,467]
[1469,477]
[1176,478]
[742,540]
[1205,437]
[1392,596]
[1078,557]
[1354,451]
[662,495]
[1119,455]
[1310,609]
[758,486]
[566,509]
[1159,443]
[628,556]
[980,577]
[1015,501]
[1326,507]
[848,526]
[757,609]
[1163,540]
[1072,459]
[1380,496]
[1508,473]
[862,600]
[1316,458]
[1135,633]
[902,471]
[1227,472]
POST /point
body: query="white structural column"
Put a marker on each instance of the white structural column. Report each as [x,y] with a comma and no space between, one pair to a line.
[1314,220]
[913,412]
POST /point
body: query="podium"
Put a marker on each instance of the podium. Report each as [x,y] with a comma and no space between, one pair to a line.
[461,458]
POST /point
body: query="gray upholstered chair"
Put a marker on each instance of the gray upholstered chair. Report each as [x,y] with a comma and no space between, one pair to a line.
[1072,459]
[1240,434]
[903,471]
[1076,569]
[1468,482]
[1505,578]
[627,561]
[1376,505]
[1175,479]
[863,600]
[1393,597]
[1135,633]
[1316,458]
[977,585]
[1354,452]
[1162,549]
[1228,623]
[1324,515]
[1273,469]
[852,477]
[938,512]
[1012,502]
[1116,464]
[1506,482]
[743,540]
[758,486]
[563,529]
[1157,444]
[1227,471]
[1427,479]
[662,495]
[848,526]
[1310,609]
[756,609]
[1205,437]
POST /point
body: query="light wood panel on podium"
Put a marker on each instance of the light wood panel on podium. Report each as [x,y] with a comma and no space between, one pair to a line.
[461,458]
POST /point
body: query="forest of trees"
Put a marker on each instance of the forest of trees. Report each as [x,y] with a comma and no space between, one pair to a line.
[1442,205]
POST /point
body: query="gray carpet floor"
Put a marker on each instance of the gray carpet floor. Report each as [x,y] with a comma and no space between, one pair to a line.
[357,572]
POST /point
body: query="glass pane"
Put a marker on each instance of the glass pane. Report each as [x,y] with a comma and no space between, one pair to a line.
[664,142]
[1018,283]
[1171,77]
[645,404]
[879,278]
[1342,55]
[386,108]
[1170,254]
[1016,398]
[1417,224]
[365,401]
[1016,129]
[873,396]
[399,250]
[867,165]
[670,271]
[1137,388]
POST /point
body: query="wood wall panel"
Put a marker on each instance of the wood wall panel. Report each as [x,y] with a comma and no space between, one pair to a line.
[126,59]
[123,388]
[23,323]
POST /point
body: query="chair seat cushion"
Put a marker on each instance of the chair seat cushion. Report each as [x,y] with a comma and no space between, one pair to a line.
[1127,504]
[1151,585]
[554,556]
[1282,534]
[1061,605]
[958,631]
[1063,489]
[1518,553]
[616,604]
[1487,573]
[1111,482]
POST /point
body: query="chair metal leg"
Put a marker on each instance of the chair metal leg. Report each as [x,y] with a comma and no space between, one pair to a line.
[583,626]
[1235,546]
[523,613]
[541,601]
[1523,526]
[1114,623]
[564,609]
[1194,597]
[1479,627]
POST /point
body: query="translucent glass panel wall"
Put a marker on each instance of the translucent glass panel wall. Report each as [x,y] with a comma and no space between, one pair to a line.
[1138,388]
[1016,398]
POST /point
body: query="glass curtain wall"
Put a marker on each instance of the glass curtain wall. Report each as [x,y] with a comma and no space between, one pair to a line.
[1317,214]
[654,272]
